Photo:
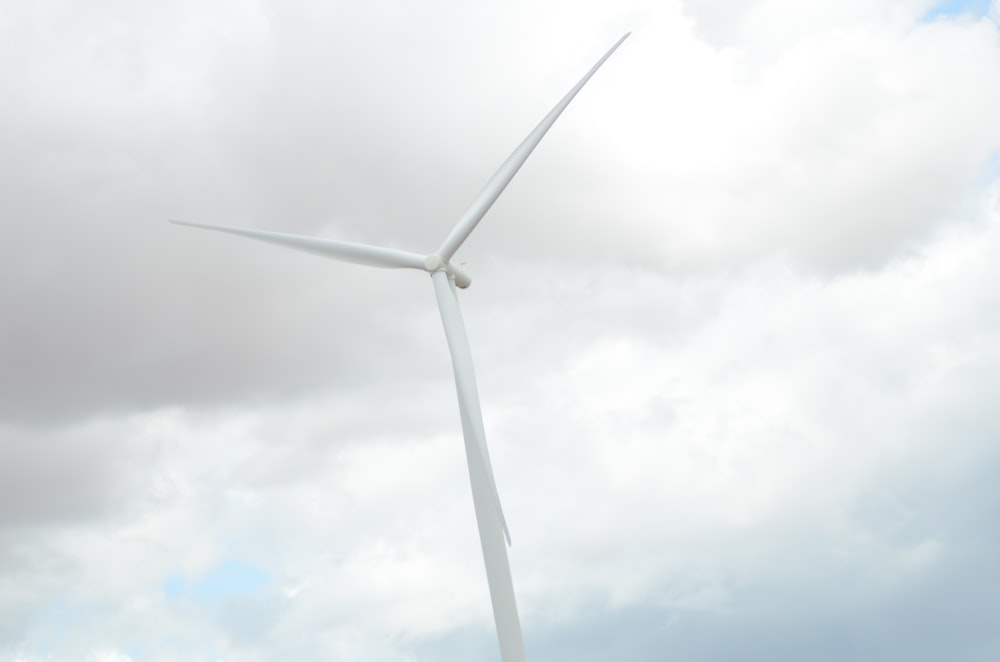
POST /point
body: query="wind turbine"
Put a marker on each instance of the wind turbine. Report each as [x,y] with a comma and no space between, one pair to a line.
[446,277]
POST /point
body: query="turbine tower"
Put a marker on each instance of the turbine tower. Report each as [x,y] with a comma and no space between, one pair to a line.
[446,276]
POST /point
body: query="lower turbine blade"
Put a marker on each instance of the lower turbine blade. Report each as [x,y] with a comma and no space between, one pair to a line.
[489,516]
[343,251]
[465,382]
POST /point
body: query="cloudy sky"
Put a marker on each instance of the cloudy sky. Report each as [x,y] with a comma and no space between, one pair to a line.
[736,325]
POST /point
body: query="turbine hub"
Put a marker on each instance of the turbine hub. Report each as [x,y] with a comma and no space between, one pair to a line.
[434,263]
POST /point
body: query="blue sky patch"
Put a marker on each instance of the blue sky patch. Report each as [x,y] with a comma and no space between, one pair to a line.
[953,8]
[174,586]
[229,577]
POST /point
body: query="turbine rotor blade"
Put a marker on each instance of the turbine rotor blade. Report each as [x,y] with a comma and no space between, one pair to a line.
[344,251]
[465,382]
[489,516]
[505,173]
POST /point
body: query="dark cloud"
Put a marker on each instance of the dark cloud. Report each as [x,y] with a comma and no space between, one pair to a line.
[111,310]
[59,476]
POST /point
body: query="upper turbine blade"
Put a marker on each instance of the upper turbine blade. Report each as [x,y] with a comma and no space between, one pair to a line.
[498,182]
[345,251]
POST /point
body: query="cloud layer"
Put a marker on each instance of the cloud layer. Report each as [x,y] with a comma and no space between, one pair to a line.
[734,325]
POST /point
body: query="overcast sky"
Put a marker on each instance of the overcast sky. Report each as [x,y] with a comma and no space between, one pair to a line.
[736,325]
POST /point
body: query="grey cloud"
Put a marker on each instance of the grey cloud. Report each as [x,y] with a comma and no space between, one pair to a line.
[826,603]
[111,310]
[58,476]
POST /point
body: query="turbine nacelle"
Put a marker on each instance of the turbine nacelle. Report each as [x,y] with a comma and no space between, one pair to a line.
[434,263]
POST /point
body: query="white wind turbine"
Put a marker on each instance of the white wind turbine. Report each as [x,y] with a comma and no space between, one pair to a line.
[446,276]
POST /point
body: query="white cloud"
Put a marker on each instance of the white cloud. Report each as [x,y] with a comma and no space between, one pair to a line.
[842,152]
